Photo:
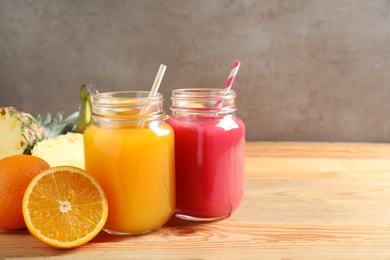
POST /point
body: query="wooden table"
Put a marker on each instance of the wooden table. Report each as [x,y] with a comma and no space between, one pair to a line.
[302,201]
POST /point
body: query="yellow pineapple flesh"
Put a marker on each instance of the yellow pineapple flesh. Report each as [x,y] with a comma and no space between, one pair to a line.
[65,149]
[19,132]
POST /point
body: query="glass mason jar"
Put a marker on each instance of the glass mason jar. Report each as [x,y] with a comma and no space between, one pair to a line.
[209,153]
[129,149]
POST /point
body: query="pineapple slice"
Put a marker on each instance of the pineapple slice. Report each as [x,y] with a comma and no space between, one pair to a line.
[65,149]
[19,132]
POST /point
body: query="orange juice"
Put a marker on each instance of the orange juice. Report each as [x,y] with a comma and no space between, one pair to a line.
[134,163]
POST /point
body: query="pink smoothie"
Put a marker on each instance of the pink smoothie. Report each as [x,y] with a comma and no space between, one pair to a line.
[209,155]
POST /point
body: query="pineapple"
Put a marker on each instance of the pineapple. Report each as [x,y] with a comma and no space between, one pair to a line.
[57,140]
[19,132]
[64,149]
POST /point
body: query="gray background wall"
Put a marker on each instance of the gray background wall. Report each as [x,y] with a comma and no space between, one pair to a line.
[312,70]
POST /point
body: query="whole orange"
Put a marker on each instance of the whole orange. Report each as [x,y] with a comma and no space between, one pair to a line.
[16,172]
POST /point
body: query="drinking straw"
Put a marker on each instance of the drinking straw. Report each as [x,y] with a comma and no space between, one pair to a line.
[230,80]
[156,84]
[157,80]
[232,75]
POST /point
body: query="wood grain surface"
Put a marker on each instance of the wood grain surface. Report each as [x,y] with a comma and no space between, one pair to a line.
[302,201]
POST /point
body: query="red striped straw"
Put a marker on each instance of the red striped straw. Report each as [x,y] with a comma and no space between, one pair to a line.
[232,75]
[230,80]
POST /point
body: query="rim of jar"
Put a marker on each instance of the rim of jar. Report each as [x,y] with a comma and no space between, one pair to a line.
[125,97]
[126,104]
[212,100]
[205,93]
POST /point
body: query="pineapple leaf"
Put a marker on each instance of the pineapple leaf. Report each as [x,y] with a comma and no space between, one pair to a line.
[56,125]
[47,120]
[43,120]
[72,121]
[72,117]
[58,118]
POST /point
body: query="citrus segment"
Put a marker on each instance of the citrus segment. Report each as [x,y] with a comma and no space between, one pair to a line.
[64,207]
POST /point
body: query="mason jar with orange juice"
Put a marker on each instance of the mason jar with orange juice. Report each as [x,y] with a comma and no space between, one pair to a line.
[129,149]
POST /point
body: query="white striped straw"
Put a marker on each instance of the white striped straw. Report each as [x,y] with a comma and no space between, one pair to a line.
[157,80]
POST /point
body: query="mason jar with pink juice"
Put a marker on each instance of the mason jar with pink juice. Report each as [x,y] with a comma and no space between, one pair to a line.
[209,153]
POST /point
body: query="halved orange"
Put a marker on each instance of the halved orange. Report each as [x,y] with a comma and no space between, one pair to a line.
[64,207]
